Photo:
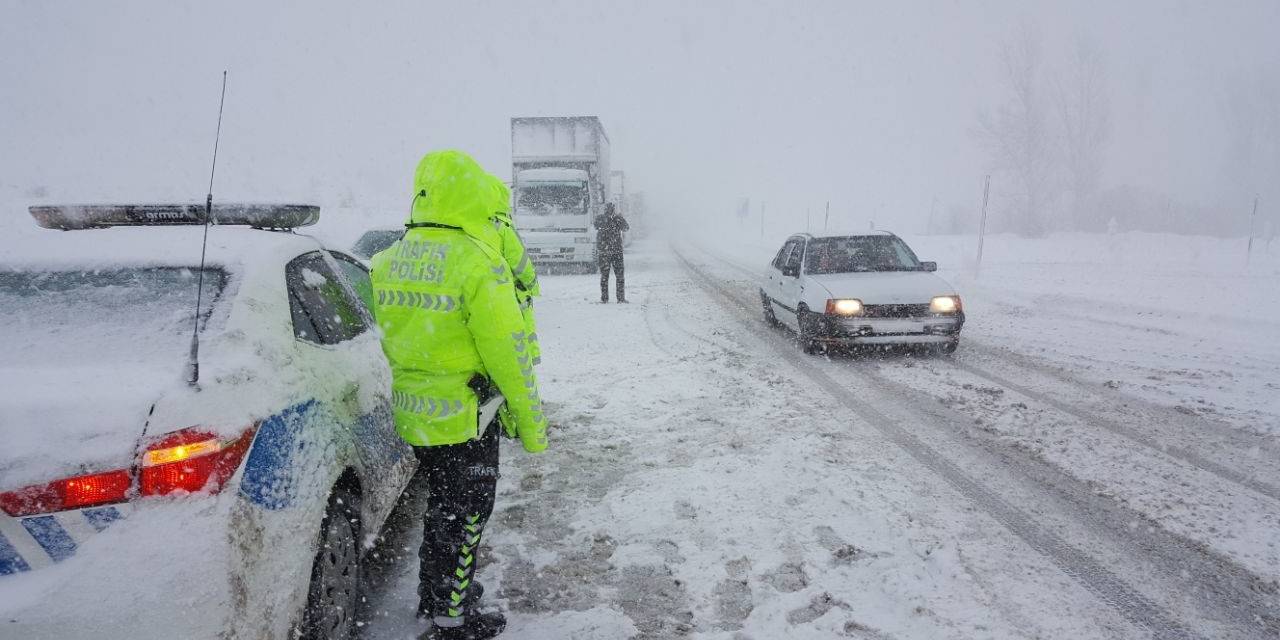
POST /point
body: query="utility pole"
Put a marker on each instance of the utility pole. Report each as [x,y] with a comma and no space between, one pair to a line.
[826,218]
[807,211]
[982,226]
[1248,252]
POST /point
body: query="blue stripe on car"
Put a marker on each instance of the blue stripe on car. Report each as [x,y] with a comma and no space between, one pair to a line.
[10,561]
[55,540]
[102,517]
[268,476]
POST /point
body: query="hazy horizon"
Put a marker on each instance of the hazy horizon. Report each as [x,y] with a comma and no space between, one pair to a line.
[872,107]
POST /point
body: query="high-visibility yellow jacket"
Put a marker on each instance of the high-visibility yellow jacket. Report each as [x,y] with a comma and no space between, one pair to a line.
[446,302]
[513,251]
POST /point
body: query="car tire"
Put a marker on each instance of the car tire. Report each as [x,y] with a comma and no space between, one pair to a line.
[334,592]
[769,317]
[947,348]
[805,321]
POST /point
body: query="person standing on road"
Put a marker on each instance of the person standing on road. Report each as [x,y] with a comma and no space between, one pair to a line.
[609,229]
[453,333]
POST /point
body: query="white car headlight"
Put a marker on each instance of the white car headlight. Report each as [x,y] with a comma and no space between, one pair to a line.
[945,304]
[844,307]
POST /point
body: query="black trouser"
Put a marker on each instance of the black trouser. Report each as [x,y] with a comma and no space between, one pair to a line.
[612,261]
[461,480]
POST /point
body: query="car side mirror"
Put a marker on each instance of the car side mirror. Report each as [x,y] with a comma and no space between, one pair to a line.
[791,270]
[928,266]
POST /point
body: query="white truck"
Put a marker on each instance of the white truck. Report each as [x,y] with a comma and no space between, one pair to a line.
[560,182]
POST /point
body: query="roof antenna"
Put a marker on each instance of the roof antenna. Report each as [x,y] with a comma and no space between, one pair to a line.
[193,363]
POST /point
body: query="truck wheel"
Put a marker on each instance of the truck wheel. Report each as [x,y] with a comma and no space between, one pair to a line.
[334,594]
[769,318]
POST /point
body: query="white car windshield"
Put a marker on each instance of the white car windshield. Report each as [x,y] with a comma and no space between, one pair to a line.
[111,315]
[376,241]
[857,254]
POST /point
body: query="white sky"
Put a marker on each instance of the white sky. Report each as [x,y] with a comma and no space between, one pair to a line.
[869,104]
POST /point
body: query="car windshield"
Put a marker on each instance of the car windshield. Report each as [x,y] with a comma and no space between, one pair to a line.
[553,199]
[375,241]
[104,316]
[859,253]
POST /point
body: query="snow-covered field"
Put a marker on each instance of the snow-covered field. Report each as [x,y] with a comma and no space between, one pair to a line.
[1098,460]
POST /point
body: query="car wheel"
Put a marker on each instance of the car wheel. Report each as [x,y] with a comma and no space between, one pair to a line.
[330,613]
[947,348]
[807,334]
[769,318]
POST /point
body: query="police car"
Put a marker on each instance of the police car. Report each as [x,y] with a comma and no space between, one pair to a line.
[865,289]
[155,487]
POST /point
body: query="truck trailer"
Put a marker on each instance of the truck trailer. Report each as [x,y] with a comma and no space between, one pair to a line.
[560,183]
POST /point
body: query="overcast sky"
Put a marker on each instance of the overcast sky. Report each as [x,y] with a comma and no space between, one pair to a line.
[869,104]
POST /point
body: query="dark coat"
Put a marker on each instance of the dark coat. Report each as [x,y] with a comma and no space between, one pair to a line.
[609,228]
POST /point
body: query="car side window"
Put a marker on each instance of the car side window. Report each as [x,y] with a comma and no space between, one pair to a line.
[797,252]
[322,310]
[357,276]
[781,258]
[784,257]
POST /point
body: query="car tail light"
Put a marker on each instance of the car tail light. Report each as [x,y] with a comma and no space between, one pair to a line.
[191,460]
[68,493]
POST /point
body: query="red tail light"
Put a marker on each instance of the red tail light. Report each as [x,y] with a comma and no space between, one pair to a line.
[68,493]
[191,460]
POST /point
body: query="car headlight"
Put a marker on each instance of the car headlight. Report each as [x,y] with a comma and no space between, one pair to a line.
[844,307]
[945,304]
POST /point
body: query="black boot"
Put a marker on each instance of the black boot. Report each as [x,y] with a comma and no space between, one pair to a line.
[475,626]
[474,593]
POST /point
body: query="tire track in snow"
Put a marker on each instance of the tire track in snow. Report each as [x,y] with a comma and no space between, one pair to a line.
[1096,578]
[1186,455]
[1182,454]
[1151,410]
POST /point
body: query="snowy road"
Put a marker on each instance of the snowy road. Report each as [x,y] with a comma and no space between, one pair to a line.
[708,480]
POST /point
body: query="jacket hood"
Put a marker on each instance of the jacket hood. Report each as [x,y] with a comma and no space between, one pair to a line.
[450,188]
[501,196]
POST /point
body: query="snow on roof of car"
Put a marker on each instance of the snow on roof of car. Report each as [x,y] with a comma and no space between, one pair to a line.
[847,233]
[148,246]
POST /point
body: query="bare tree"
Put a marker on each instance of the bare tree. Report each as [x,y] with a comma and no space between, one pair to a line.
[1083,109]
[1016,134]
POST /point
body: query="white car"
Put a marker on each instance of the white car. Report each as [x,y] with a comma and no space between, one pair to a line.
[867,289]
[376,240]
[137,503]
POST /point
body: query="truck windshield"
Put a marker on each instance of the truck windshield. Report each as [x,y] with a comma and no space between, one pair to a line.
[553,199]
[859,253]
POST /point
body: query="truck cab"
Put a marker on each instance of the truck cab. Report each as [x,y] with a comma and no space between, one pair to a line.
[553,211]
[560,182]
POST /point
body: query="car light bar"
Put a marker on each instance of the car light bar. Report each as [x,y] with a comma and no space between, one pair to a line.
[100,216]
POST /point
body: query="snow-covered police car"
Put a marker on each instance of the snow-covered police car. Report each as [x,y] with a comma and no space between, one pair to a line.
[150,489]
[860,289]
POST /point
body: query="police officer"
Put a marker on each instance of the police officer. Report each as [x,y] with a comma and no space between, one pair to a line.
[526,278]
[609,229]
[454,335]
